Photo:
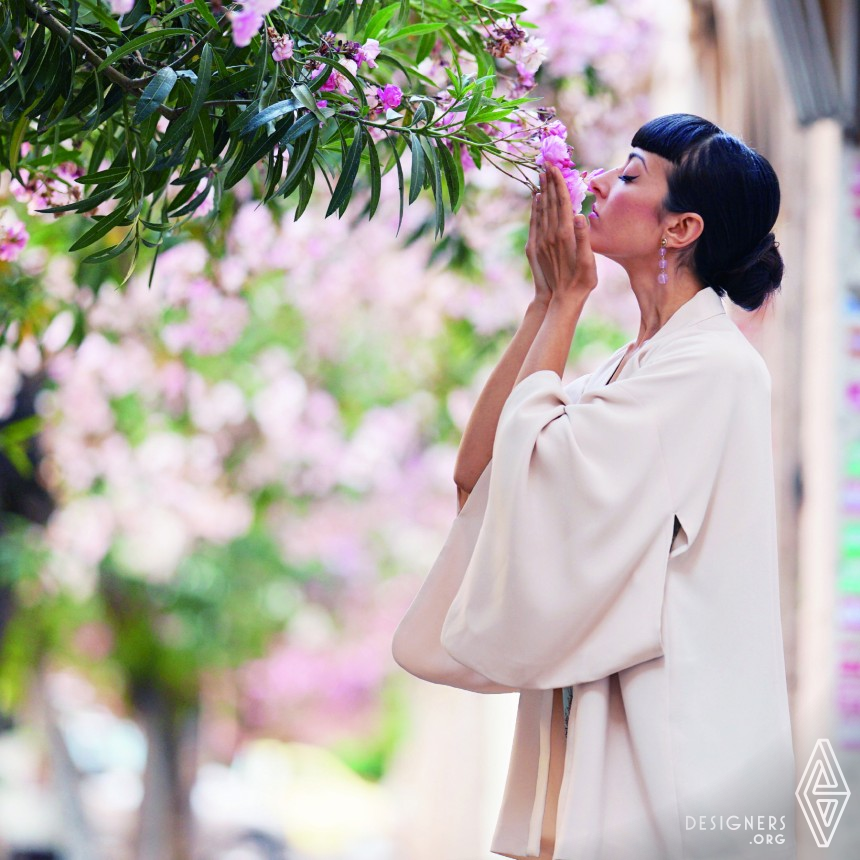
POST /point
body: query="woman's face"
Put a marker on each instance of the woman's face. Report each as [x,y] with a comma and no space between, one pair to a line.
[627,202]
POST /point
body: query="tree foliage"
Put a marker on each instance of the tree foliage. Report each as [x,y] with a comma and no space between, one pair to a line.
[164,107]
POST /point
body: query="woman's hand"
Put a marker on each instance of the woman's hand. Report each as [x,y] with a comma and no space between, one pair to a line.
[562,249]
[542,291]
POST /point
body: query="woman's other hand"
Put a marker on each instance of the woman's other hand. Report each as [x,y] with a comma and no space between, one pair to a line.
[542,291]
[562,249]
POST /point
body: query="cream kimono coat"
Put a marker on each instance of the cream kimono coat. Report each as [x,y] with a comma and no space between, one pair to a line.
[561,569]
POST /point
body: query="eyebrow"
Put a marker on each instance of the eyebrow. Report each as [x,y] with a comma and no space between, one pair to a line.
[636,155]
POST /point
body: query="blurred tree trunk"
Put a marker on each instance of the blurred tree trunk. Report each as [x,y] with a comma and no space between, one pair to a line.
[166,825]
[79,841]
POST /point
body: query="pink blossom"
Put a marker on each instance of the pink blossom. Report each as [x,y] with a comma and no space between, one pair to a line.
[121,7]
[556,127]
[525,77]
[530,53]
[390,95]
[13,239]
[245,24]
[576,186]
[283,48]
[368,53]
[553,150]
[41,190]
[337,81]
[322,103]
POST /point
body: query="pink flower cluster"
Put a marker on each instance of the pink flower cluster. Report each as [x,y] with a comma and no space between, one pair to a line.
[247,21]
[42,190]
[121,7]
[282,45]
[215,321]
[13,239]
[554,150]
[353,55]
[337,81]
[381,99]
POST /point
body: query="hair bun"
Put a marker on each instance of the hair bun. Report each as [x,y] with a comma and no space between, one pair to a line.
[755,276]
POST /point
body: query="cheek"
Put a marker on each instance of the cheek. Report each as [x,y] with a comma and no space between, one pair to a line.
[634,208]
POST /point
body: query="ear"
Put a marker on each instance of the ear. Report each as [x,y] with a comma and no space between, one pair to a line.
[684,229]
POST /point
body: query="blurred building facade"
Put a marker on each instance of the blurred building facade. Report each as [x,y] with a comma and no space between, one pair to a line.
[783,74]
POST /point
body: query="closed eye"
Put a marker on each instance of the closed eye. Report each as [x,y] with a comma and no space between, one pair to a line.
[627,178]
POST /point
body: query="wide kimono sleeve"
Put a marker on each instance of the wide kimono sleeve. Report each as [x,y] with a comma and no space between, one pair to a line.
[566,580]
[416,644]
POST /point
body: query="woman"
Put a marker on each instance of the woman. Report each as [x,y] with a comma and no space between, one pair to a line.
[620,545]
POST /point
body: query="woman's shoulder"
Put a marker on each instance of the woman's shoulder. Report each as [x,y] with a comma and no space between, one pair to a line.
[715,349]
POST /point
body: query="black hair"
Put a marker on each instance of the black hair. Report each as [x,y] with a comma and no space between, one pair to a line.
[735,190]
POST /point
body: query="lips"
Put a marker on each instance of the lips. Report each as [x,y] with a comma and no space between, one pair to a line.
[594,213]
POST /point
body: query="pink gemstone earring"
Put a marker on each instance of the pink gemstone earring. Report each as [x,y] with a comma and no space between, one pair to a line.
[663,277]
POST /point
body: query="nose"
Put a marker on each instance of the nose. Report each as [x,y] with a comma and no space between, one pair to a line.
[598,185]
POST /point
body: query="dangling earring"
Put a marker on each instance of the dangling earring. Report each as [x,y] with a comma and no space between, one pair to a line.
[663,277]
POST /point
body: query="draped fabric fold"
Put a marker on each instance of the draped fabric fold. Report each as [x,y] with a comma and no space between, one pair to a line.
[565,584]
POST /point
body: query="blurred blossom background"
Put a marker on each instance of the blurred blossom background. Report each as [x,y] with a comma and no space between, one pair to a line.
[245,469]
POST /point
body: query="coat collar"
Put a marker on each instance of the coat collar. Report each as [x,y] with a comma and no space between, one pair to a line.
[705,304]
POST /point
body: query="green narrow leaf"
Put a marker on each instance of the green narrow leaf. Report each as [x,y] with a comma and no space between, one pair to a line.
[275,169]
[299,127]
[375,175]
[204,76]
[303,93]
[182,125]
[203,8]
[270,114]
[18,133]
[399,166]
[102,16]
[475,104]
[111,253]
[413,30]
[192,176]
[402,14]
[194,202]
[343,189]
[437,189]
[298,163]
[86,204]
[110,174]
[203,139]
[141,41]
[458,165]
[425,45]
[306,188]
[347,8]
[450,172]
[16,72]
[155,93]
[363,15]
[380,18]
[103,226]
[416,179]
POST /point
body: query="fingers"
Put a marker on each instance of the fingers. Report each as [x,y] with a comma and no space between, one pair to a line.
[565,209]
[532,224]
[552,200]
[586,265]
[542,219]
